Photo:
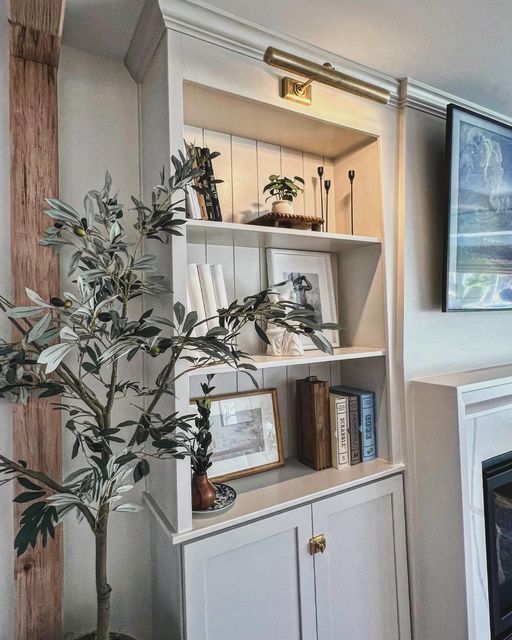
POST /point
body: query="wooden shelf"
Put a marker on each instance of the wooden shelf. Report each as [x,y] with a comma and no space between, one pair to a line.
[310,357]
[247,235]
[302,486]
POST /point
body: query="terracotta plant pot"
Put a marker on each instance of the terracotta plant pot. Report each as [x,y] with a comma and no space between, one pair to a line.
[282,206]
[203,492]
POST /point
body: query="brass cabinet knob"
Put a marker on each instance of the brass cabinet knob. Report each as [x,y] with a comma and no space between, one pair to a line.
[317,544]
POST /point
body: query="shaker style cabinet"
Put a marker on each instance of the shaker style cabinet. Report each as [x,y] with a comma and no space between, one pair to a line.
[361,579]
[252,583]
[270,580]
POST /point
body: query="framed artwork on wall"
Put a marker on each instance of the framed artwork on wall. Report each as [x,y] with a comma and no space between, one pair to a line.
[312,276]
[246,434]
[478,237]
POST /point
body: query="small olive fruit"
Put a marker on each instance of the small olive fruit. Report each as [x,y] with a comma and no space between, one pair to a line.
[57,302]
[58,225]
[68,304]
[78,231]
[104,316]
[154,351]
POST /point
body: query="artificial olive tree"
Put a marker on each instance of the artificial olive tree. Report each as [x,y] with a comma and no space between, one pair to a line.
[74,344]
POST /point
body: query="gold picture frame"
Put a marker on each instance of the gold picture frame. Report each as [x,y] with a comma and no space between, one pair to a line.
[244,451]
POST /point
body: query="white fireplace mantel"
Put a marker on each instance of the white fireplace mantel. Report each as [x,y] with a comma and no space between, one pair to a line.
[460,420]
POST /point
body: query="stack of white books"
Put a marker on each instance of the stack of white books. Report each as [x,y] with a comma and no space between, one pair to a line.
[206,290]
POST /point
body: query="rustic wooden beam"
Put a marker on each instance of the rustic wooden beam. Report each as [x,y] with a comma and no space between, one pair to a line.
[36,27]
[36,30]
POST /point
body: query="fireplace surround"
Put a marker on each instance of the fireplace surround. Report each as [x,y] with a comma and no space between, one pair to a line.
[458,495]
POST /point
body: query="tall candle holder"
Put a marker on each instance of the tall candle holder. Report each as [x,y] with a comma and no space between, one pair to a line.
[327,185]
[351,176]
[320,171]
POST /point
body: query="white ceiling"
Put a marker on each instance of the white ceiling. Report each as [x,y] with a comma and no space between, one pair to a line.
[461,46]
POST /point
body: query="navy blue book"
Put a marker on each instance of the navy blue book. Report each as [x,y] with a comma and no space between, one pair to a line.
[367,420]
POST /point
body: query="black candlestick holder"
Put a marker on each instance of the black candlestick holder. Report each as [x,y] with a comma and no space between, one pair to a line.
[320,171]
[351,176]
[327,186]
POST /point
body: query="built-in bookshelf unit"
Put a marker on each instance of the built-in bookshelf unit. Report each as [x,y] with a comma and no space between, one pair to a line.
[258,134]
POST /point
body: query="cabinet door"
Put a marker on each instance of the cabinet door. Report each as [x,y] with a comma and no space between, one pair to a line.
[254,582]
[361,578]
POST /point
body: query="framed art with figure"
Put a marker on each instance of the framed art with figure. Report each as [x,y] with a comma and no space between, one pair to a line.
[478,237]
[311,275]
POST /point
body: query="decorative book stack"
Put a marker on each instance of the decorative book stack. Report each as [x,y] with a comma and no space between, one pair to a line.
[314,438]
[206,290]
[353,426]
[203,203]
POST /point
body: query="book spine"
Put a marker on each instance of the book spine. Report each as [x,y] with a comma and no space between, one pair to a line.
[339,431]
[355,432]
[206,280]
[219,286]
[205,185]
[195,296]
[192,204]
[368,430]
[212,186]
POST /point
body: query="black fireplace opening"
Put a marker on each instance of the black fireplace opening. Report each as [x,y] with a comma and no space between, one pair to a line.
[497,477]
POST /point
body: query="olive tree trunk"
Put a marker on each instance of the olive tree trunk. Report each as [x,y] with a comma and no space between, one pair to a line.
[103,589]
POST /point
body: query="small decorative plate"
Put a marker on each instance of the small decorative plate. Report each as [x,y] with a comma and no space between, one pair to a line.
[224,500]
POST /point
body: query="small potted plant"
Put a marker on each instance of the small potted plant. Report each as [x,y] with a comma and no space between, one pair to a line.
[203,491]
[284,190]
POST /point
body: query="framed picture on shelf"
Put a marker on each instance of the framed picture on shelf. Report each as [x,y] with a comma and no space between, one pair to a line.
[478,237]
[312,276]
[246,434]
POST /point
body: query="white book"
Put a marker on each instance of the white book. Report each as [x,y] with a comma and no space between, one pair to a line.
[195,297]
[192,207]
[208,291]
[340,434]
[219,286]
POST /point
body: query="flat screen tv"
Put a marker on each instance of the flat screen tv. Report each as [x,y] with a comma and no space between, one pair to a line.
[478,239]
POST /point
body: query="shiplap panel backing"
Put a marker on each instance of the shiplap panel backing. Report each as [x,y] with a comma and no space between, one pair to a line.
[244,165]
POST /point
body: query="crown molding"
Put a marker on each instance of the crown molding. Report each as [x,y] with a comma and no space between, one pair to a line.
[199,20]
[146,37]
[422,97]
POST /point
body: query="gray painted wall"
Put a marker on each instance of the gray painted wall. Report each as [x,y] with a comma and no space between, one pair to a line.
[98,130]
[435,341]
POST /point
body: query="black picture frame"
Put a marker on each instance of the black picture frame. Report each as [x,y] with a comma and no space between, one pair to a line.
[478,225]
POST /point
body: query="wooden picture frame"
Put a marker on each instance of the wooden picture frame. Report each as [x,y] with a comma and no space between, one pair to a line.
[248,455]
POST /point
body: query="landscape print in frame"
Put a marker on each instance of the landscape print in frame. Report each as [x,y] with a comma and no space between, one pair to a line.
[478,243]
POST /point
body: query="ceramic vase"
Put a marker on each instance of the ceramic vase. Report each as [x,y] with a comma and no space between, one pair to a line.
[203,492]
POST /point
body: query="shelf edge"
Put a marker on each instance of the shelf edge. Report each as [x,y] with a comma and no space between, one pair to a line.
[216,527]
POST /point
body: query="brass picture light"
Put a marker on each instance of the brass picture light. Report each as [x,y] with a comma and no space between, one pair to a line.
[301,91]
